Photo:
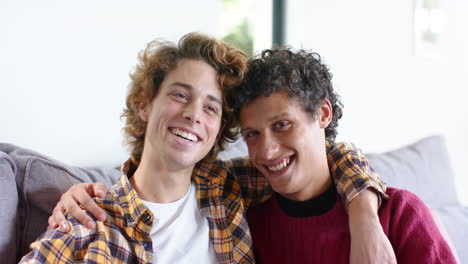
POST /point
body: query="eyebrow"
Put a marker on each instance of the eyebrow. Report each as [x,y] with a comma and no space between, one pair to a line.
[243,130]
[278,116]
[190,87]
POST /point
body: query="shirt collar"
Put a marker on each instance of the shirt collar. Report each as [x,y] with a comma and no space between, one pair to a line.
[133,208]
[204,175]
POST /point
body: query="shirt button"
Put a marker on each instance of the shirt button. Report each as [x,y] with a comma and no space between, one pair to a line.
[147,245]
[147,218]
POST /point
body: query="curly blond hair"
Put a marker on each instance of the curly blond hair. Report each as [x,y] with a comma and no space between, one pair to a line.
[161,57]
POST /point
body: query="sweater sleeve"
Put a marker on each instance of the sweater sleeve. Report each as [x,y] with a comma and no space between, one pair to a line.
[351,172]
[413,232]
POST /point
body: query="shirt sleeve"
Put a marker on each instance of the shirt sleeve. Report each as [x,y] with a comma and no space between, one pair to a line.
[54,246]
[253,186]
[351,172]
[79,244]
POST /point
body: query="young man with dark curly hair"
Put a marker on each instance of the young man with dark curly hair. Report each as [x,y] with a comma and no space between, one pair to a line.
[174,202]
[289,112]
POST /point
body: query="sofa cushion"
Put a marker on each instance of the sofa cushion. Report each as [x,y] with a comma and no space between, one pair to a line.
[41,181]
[422,167]
[8,212]
[443,230]
[455,220]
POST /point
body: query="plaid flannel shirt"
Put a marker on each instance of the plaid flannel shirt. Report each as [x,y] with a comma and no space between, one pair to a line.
[225,189]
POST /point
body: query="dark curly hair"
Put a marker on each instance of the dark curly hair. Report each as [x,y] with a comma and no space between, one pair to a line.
[300,73]
[161,57]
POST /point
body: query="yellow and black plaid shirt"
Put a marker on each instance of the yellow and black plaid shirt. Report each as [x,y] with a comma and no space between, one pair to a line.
[225,189]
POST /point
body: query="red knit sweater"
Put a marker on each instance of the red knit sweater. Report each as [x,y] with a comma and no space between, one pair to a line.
[281,238]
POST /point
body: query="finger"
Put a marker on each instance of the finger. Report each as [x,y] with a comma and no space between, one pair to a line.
[57,216]
[73,209]
[81,194]
[51,223]
[90,205]
[99,189]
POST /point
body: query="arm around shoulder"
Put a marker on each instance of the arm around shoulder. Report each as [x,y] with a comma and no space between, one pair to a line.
[351,172]
[361,191]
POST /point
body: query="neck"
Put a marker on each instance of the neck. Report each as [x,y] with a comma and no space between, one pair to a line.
[318,183]
[156,182]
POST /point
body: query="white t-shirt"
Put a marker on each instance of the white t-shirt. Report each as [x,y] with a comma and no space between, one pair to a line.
[180,233]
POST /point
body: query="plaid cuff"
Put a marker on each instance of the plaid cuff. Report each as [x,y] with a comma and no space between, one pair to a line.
[351,172]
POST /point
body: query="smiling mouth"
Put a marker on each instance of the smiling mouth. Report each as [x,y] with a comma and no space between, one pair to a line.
[281,165]
[185,135]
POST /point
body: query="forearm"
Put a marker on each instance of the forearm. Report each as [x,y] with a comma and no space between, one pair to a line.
[369,243]
[363,214]
[361,191]
[364,208]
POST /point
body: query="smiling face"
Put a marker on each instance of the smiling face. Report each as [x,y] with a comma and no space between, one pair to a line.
[184,118]
[287,145]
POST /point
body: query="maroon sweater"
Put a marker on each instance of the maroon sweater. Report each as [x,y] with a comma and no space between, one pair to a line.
[317,231]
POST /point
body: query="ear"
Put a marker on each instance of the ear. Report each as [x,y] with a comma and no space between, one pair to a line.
[143,109]
[325,114]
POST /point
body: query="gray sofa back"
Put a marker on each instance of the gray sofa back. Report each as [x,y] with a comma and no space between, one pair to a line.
[40,182]
[8,208]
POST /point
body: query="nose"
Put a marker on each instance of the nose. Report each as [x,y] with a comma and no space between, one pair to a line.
[193,112]
[268,148]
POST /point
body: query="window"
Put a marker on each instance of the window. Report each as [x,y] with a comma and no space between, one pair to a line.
[247,24]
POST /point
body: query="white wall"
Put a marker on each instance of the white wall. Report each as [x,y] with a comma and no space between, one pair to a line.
[391,96]
[64,69]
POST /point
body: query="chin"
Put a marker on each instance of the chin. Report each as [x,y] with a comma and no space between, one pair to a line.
[281,188]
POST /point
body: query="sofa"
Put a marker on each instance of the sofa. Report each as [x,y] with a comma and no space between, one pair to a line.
[32,183]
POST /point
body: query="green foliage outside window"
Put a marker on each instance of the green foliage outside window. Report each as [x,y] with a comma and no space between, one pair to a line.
[241,37]
[238,34]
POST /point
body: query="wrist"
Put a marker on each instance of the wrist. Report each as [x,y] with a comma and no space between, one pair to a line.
[363,210]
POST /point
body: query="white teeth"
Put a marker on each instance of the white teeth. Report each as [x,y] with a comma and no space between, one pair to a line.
[184,134]
[280,166]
